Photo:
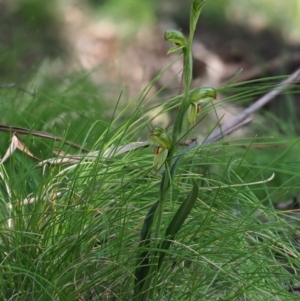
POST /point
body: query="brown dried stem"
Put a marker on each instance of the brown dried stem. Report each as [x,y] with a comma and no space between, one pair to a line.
[244,116]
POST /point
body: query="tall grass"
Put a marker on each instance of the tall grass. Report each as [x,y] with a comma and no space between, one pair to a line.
[109,226]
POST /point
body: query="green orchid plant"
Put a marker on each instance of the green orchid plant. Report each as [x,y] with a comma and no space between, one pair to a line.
[149,262]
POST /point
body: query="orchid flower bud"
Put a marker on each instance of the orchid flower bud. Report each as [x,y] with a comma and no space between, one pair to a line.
[195,12]
[176,38]
[162,139]
[197,5]
[202,95]
[198,97]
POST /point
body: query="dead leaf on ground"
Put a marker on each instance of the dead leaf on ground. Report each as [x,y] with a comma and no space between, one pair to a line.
[16,143]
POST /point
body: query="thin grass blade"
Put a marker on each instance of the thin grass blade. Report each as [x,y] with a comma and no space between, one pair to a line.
[178,220]
[143,263]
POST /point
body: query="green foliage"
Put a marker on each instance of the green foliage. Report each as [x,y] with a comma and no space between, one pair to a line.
[30,32]
[107,226]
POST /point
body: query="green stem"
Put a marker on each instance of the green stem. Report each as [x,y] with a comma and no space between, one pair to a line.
[187,75]
[187,72]
[177,129]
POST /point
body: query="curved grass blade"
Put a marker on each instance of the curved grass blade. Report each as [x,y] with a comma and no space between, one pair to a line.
[143,264]
[178,220]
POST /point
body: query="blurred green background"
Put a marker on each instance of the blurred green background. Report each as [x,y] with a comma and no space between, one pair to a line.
[31,30]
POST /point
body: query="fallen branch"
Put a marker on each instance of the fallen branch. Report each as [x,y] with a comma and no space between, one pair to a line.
[24,131]
[240,119]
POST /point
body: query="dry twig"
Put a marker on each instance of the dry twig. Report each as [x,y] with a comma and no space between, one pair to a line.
[240,119]
[23,131]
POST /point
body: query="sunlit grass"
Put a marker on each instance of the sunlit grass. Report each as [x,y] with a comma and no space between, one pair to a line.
[78,239]
[72,231]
